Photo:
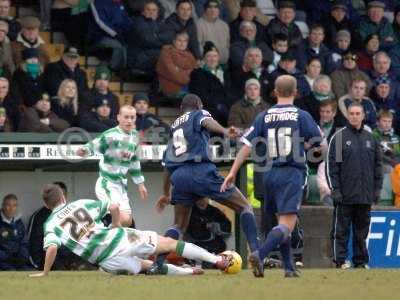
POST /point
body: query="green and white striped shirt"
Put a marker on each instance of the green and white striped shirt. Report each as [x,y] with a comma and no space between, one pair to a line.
[78,226]
[119,158]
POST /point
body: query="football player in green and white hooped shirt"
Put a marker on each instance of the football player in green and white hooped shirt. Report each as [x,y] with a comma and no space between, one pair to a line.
[119,250]
[118,147]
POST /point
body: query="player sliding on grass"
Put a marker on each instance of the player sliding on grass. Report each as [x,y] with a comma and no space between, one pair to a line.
[279,126]
[117,250]
[118,162]
[193,175]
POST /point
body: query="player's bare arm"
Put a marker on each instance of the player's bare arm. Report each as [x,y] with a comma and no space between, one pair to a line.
[165,199]
[213,126]
[142,191]
[51,254]
[240,158]
[82,152]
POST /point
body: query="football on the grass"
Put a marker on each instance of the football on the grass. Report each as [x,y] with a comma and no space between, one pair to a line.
[235,262]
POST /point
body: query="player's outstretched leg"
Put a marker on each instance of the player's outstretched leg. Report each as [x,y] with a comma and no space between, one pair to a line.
[191,251]
[181,220]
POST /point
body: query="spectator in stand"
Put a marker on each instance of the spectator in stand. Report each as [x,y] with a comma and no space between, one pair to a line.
[14,254]
[322,91]
[284,23]
[248,12]
[14,27]
[66,68]
[211,82]
[343,41]
[180,21]
[252,68]
[110,28]
[144,119]
[101,89]
[65,260]
[396,23]
[365,57]
[169,7]
[388,140]
[338,20]
[40,118]
[5,124]
[248,33]
[280,45]
[385,99]
[208,227]
[211,28]
[358,93]
[382,63]
[175,65]
[288,66]
[66,103]
[376,23]
[7,66]
[328,121]
[341,78]
[244,111]
[29,38]
[27,81]
[71,18]
[314,47]
[313,70]
[8,103]
[145,44]
[99,119]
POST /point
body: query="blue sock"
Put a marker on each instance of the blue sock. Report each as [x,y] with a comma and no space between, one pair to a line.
[173,233]
[248,223]
[286,252]
[275,237]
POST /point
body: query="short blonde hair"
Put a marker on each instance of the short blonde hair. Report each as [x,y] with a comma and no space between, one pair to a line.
[285,86]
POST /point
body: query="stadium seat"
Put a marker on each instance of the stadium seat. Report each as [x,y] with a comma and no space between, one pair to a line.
[55,51]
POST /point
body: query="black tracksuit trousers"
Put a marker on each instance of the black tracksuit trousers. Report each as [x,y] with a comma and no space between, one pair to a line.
[355,217]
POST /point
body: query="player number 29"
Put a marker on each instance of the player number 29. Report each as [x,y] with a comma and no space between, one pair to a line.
[180,143]
[279,141]
[79,222]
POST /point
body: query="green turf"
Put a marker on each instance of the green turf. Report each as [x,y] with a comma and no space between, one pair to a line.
[314,284]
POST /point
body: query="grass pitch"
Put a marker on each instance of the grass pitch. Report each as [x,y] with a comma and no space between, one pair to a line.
[314,284]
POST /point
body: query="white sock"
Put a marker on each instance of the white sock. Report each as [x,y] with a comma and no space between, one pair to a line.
[175,270]
[192,251]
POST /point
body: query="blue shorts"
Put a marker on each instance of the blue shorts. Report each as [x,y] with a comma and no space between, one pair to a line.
[283,189]
[194,181]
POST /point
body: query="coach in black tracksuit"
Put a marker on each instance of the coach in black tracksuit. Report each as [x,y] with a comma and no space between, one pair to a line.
[354,174]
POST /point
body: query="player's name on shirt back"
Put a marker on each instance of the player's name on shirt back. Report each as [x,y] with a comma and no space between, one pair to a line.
[182,119]
[275,115]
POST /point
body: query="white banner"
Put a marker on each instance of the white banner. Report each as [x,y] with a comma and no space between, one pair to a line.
[66,152]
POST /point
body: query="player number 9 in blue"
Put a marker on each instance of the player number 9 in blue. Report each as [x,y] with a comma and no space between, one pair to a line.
[180,143]
[279,141]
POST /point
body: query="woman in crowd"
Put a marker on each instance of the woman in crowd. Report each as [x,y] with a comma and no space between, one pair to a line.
[65,104]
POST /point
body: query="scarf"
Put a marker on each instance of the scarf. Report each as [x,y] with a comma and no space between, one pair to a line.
[217,72]
[321,97]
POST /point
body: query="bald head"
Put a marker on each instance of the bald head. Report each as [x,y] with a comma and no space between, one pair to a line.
[285,86]
[191,102]
[126,108]
[127,118]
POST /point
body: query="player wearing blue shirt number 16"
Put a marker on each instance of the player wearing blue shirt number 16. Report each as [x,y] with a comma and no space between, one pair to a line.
[284,128]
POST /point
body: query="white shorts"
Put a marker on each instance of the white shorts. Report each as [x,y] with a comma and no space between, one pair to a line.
[108,190]
[135,246]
